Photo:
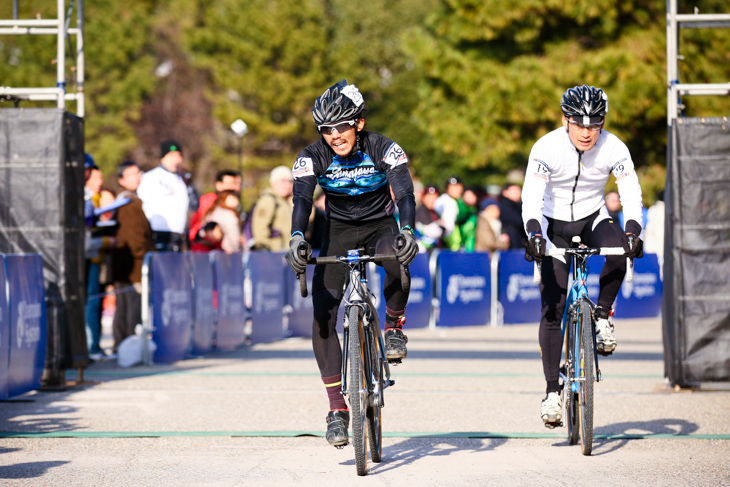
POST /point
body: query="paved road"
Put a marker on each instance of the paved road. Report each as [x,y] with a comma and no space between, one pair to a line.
[465,409]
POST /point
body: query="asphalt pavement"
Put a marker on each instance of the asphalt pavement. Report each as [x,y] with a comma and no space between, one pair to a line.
[464,409]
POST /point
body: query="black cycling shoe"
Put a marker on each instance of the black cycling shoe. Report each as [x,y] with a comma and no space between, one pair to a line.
[395,345]
[337,423]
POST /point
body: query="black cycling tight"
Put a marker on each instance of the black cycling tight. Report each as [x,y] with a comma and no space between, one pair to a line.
[327,285]
[554,285]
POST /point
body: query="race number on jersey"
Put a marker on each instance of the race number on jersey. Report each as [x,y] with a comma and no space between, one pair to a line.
[395,156]
[303,166]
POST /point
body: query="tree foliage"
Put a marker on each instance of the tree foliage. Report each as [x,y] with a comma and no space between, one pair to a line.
[465,86]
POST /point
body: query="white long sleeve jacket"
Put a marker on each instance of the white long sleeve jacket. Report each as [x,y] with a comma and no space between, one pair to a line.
[565,184]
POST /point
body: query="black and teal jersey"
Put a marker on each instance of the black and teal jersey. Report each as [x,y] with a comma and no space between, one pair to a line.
[357,187]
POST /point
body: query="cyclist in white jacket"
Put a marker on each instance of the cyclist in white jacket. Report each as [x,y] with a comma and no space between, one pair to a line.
[563,196]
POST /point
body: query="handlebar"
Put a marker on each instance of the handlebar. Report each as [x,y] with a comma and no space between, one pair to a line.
[354,259]
[558,252]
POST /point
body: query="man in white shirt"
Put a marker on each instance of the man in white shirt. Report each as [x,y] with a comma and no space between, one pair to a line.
[164,195]
[562,197]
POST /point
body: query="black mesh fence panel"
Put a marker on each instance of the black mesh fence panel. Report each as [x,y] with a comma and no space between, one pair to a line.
[41,210]
[696,310]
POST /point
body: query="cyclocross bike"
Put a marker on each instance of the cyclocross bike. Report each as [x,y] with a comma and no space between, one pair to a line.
[363,353]
[580,369]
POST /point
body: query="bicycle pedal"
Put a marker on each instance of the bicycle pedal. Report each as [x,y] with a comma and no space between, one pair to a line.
[394,361]
[554,425]
[604,354]
[340,447]
[391,382]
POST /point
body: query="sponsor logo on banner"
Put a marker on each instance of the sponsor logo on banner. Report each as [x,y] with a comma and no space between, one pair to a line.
[466,289]
[174,306]
[267,297]
[418,286]
[230,299]
[522,287]
[29,323]
[643,286]
[303,166]
[203,307]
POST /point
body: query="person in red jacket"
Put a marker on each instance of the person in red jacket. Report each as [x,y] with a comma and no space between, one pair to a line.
[225,180]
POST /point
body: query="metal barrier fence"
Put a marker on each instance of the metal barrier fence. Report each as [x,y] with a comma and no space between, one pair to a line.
[195,303]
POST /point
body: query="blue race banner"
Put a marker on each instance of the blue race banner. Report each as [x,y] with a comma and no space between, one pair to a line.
[267,306]
[4,331]
[463,288]
[228,269]
[204,312]
[27,303]
[172,306]
[418,311]
[641,298]
[518,293]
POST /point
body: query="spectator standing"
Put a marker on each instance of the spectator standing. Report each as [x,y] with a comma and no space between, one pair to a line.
[95,250]
[224,212]
[134,240]
[447,207]
[467,219]
[510,204]
[489,236]
[613,205]
[654,232]
[271,217]
[226,179]
[165,200]
[428,224]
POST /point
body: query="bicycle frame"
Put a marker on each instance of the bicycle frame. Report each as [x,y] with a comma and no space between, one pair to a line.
[360,296]
[578,291]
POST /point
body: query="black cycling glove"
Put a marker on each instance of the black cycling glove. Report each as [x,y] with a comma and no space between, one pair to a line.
[406,247]
[300,251]
[535,248]
[633,246]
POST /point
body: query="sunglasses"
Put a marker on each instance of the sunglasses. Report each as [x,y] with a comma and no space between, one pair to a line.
[591,126]
[339,127]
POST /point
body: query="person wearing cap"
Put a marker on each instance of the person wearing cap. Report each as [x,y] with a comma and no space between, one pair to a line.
[489,236]
[271,216]
[563,197]
[356,169]
[165,200]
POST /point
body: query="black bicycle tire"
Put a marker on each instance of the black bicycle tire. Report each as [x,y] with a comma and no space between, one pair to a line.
[374,413]
[587,373]
[570,397]
[358,406]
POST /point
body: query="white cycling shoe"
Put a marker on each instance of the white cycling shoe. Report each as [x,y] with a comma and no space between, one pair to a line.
[552,410]
[605,341]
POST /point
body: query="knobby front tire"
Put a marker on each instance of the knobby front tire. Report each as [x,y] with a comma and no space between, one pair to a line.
[587,365]
[358,391]
[570,398]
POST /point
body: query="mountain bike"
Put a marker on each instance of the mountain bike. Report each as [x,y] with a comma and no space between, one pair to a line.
[363,354]
[580,369]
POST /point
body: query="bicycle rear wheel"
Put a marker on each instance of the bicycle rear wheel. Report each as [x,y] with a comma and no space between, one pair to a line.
[587,364]
[375,428]
[358,391]
[570,398]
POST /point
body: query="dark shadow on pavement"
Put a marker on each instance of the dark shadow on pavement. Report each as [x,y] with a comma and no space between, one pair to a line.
[411,449]
[27,470]
[632,431]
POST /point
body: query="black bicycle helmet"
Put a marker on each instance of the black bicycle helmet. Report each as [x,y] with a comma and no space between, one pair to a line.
[585,102]
[340,102]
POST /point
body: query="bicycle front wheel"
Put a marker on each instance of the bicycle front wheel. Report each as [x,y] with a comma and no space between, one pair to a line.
[586,364]
[358,390]
[570,398]
[375,427]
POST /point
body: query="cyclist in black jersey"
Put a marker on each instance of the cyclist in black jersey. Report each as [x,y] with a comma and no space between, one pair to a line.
[356,169]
